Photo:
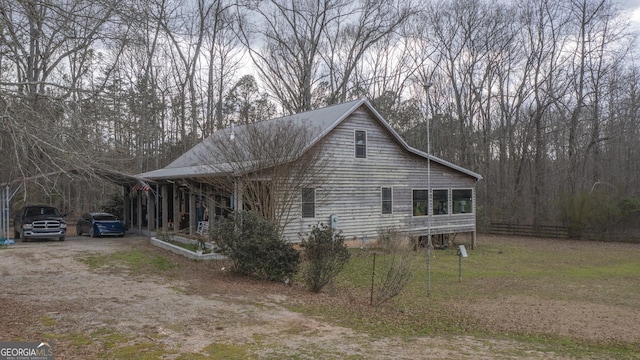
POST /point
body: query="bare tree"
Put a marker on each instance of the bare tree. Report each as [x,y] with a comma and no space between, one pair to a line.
[307,45]
[350,41]
[178,23]
[292,33]
[621,157]
[601,49]
[387,73]
[223,57]
[546,38]
[396,266]
[266,164]
[49,58]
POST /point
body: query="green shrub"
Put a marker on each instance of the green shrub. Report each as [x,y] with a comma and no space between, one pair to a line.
[600,211]
[325,254]
[114,205]
[255,247]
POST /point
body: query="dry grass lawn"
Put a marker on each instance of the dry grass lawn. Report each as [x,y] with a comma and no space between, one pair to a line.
[518,298]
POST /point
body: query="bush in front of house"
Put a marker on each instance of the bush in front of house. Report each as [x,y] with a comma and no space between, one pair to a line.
[255,247]
[325,255]
[395,266]
[114,204]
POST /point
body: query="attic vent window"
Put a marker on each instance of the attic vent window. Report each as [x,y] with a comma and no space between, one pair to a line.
[361,144]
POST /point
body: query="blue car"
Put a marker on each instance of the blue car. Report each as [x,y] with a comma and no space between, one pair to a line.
[98,224]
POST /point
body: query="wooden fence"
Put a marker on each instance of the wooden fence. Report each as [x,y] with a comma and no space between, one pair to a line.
[529,230]
[550,231]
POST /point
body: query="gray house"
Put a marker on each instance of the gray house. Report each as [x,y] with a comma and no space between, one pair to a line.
[362,178]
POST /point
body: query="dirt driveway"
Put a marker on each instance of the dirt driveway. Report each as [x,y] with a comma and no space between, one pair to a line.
[194,310]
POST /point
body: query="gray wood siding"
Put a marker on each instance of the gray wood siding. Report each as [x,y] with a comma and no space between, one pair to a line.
[353,189]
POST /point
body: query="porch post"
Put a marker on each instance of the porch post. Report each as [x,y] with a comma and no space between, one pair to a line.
[237,196]
[211,210]
[165,206]
[151,210]
[192,212]
[211,207]
[126,209]
[176,208]
[139,205]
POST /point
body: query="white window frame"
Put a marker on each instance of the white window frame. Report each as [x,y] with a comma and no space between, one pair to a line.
[433,201]
[453,201]
[382,201]
[413,201]
[302,203]
[355,143]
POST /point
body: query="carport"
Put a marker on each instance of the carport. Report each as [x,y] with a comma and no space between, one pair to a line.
[135,189]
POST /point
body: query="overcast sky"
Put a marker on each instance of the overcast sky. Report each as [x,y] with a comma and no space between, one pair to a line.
[633,7]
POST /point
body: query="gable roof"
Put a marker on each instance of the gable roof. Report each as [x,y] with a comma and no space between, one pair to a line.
[318,122]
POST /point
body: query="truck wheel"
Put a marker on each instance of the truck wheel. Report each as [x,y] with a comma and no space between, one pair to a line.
[61,238]
[25,239]
[79,231]
[16,234]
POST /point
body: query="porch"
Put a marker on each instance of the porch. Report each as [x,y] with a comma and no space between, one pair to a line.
[183,207]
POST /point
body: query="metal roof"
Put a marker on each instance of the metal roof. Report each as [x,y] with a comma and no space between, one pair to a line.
[318,122]
[114,176]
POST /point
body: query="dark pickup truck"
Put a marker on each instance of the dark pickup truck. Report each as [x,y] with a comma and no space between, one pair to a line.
[39,222]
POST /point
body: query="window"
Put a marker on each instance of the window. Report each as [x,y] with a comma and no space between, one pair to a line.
[420,202]
[361,144]
[105,217]
[440,202]
[308,202]
[462,201]
[387,200]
